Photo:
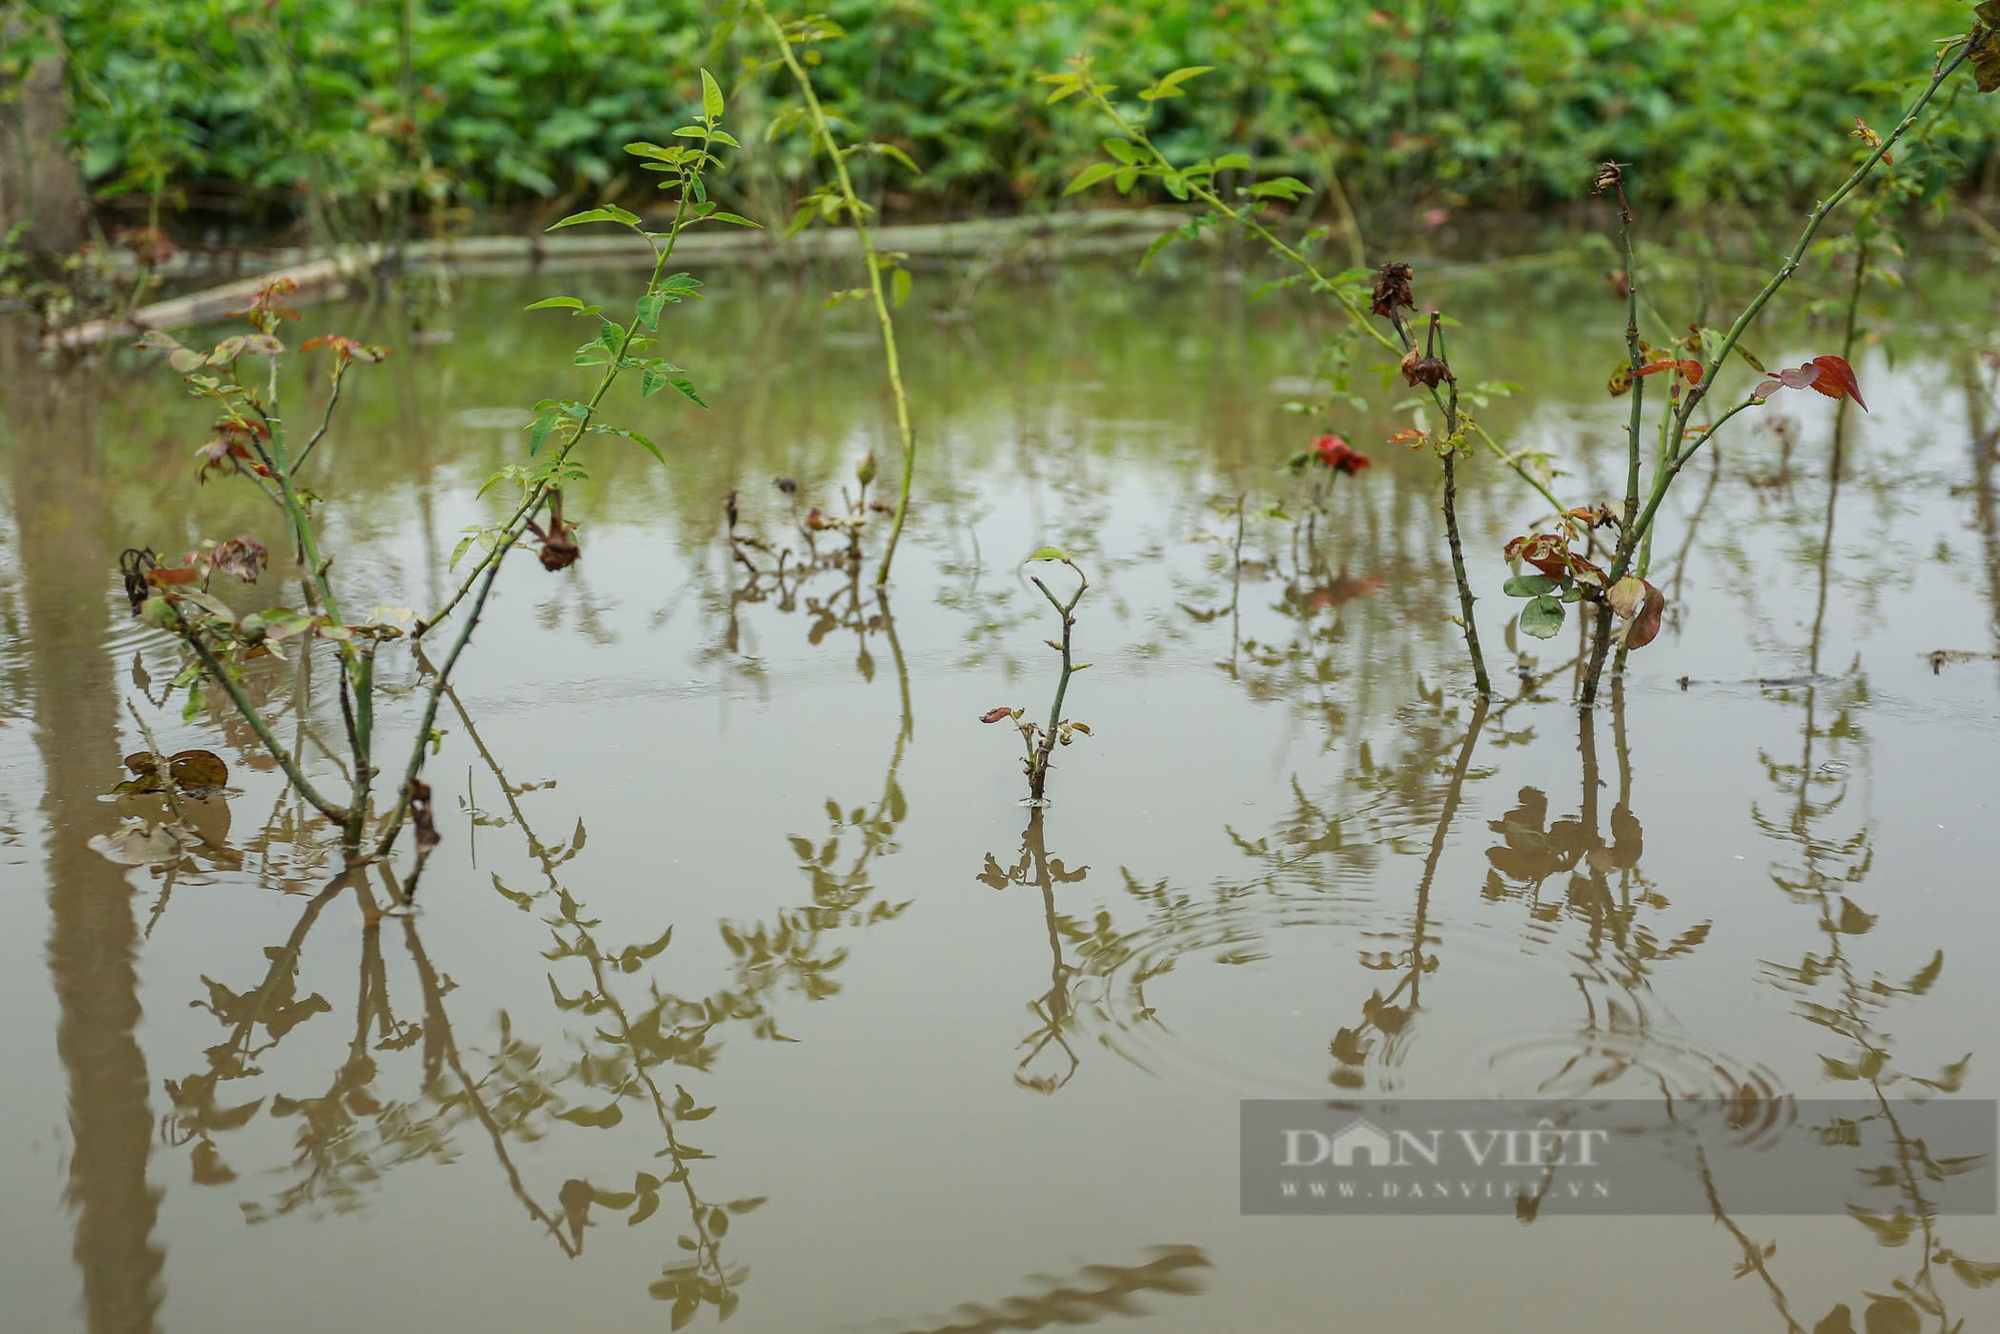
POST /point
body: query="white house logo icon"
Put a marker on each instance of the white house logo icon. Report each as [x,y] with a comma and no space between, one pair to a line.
[1360,1139]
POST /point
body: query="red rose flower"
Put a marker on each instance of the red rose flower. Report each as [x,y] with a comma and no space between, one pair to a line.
[1338,455]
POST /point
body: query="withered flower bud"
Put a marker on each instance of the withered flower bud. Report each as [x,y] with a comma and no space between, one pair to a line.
[1610,176]
[1392,289]
[864,471]
[1424,369]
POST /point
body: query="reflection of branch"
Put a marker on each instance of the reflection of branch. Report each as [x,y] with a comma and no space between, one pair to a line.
[1347,1046]
[438,1038]
[1062,1304]
[1053,1008]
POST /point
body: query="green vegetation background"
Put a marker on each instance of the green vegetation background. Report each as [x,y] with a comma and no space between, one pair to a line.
[350,104]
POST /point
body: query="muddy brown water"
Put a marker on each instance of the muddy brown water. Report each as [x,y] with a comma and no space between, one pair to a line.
[741,983]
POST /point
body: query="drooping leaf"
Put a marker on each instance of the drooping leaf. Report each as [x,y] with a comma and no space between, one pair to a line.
[1050,553]
[1542,617]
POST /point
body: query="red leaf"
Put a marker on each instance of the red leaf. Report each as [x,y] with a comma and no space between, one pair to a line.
[1691,370]
[1654,369]
[1837,378]
[1546,552]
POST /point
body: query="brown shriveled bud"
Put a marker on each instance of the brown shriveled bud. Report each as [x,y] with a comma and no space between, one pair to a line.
[1610,176]
[999,715]
[1392,289]
[1424,370]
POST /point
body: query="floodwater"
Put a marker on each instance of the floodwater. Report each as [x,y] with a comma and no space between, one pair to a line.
[742,985]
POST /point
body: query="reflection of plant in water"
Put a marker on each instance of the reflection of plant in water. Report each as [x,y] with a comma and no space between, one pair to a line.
[1834,991]
[1110,1291]
[1041,740]
[1053,1010]
[1602,889]
[1389,1015]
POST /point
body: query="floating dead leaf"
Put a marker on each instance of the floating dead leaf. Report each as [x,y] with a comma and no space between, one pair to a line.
[195,770]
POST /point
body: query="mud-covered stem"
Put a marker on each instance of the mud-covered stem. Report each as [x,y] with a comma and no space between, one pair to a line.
[823,131]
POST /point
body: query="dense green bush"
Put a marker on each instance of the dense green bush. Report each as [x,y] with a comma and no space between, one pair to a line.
[1483,102]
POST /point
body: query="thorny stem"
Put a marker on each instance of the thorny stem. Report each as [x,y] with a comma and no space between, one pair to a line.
[1450,460]
[1479,676]
[823,131]
[362,726]
[517,523]
[1038,771]
[332,400]
[1320,281]
[1601,641]
[1679,448]
[258,724]
[394,824]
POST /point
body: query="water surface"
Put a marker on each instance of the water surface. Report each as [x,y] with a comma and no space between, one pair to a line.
[743,986]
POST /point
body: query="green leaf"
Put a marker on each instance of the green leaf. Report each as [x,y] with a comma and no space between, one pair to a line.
[1160,242]
[1231,161]
[711,96]
[1091,175]
[686,386]
[1123,150]
[899,283]
[192,708]
[1528,585]
[649,307]
[609,213]
[540,432]
[1170,86]
[1282,187]
[736,219]
[638,439]
[651,381]
[1542,617]
[891,151]
[556,303]
[1049,553]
